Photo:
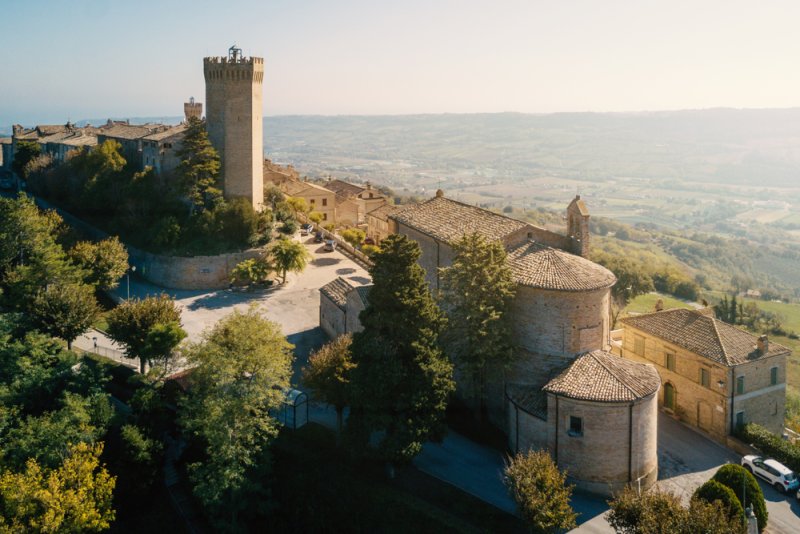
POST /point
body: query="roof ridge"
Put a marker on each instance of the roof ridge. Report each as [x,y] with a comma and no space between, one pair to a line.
[484,209]
[609,371]
[719,339]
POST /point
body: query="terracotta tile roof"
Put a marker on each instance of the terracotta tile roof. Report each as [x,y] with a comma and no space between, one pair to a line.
[343,189]
[130,131]
[536,265]
[336,291]
[704,335]
[295,187]
[604,377]
[382,213]
[580,204]
[530,398]
[448,220]
[50,129]
[167,133]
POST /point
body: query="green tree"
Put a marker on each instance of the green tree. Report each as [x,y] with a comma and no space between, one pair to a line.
[478,290]
[713,491]
[26,151]
[401,382]
[134,321]
[298,205]
[75,497]
[540,490]
[288,255]
[328,374]
[658,512]
[354,236]
[64,310]
[105,262]
[241,371]
[198,170]
[273,196]
[740,480]
[252,271]
[315,217]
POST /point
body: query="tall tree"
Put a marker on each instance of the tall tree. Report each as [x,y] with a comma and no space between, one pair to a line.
[198,171]
[288,255]
[64,310]
[26,151]
[75,497]
[135,322]
[478,290]
[105,262]
[273,196]
[241,371]
[328,374]
[401,382]
[746,488]
[540,490]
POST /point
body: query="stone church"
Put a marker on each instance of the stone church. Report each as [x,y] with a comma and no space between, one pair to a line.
[564,391]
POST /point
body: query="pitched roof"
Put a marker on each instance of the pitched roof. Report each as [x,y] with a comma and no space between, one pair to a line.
[582,209]
[530,398]
[167,133]
[536,265]
[448,220]
[704,335]
[382,213]
[604,377]
[295,187]
[336,291]
[130,131]
[343,189]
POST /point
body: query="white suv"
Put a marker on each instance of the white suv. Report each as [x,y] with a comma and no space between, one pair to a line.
[778,475]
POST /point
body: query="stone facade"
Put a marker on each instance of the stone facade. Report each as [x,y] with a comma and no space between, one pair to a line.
[318,198]
[709,394]
[160,150]
[379,225]
[234,121]
[339,307]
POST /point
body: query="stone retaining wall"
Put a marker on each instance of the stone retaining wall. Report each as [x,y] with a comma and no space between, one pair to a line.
[172,272]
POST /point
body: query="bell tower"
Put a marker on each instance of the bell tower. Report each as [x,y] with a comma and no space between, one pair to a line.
[234,121]
[578,226]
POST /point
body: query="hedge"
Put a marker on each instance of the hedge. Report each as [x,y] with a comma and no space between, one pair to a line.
[735,476]
[715,491]
[772,445]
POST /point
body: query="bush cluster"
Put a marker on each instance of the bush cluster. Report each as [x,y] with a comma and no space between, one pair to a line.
[771,444]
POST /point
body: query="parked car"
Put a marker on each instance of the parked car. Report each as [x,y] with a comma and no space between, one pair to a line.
[330,245]
[6,182]
[319,237]
[369,241]
[778,475]
[306,229]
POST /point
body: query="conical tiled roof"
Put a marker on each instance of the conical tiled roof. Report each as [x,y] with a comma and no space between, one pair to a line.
[536,265]
[604,377]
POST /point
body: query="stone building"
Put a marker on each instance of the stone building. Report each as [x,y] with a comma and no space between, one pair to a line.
[597,417]
[339,306]
[353,202]
[130,137]
[318,198]
[234,121]
[160,149]
[379,226]
[714,376]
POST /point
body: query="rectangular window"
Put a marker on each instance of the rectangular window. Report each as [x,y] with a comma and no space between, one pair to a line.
[313,201]
[705,378]
[670,363]
[773,376]
[740,385]
[324,216]
[638,345]
[324,201]
[739,419]
[575,426]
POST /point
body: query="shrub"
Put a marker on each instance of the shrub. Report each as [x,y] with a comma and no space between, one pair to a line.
[714,491]
[737,477]
[771,444]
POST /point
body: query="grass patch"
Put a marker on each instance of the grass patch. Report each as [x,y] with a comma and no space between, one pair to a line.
[647,303]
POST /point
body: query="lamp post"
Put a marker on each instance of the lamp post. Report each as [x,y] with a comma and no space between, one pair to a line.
[128,274]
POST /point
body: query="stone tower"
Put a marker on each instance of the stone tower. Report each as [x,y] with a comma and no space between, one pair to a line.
[233,120]
[578,226]
[192,109]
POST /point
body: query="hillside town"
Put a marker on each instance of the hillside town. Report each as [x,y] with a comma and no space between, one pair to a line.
[448,346]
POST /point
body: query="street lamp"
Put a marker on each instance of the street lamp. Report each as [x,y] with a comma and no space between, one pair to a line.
[95,344]
[128,274]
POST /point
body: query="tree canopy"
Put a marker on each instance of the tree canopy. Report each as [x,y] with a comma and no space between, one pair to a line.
[64,310]
[105,262]
[241,371]
[478,290]
[288,255]
[401,382]
[328,374]
[198,171]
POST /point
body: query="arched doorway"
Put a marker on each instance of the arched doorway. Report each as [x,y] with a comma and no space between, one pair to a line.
[669,397]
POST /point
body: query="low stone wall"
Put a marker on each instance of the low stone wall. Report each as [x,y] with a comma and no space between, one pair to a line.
[171,272]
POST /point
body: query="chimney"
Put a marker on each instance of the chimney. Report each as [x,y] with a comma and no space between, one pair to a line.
[763,344]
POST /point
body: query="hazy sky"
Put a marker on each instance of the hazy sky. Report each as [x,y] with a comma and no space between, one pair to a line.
[99,58]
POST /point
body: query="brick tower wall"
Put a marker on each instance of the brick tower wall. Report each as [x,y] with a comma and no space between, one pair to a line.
[234,123]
